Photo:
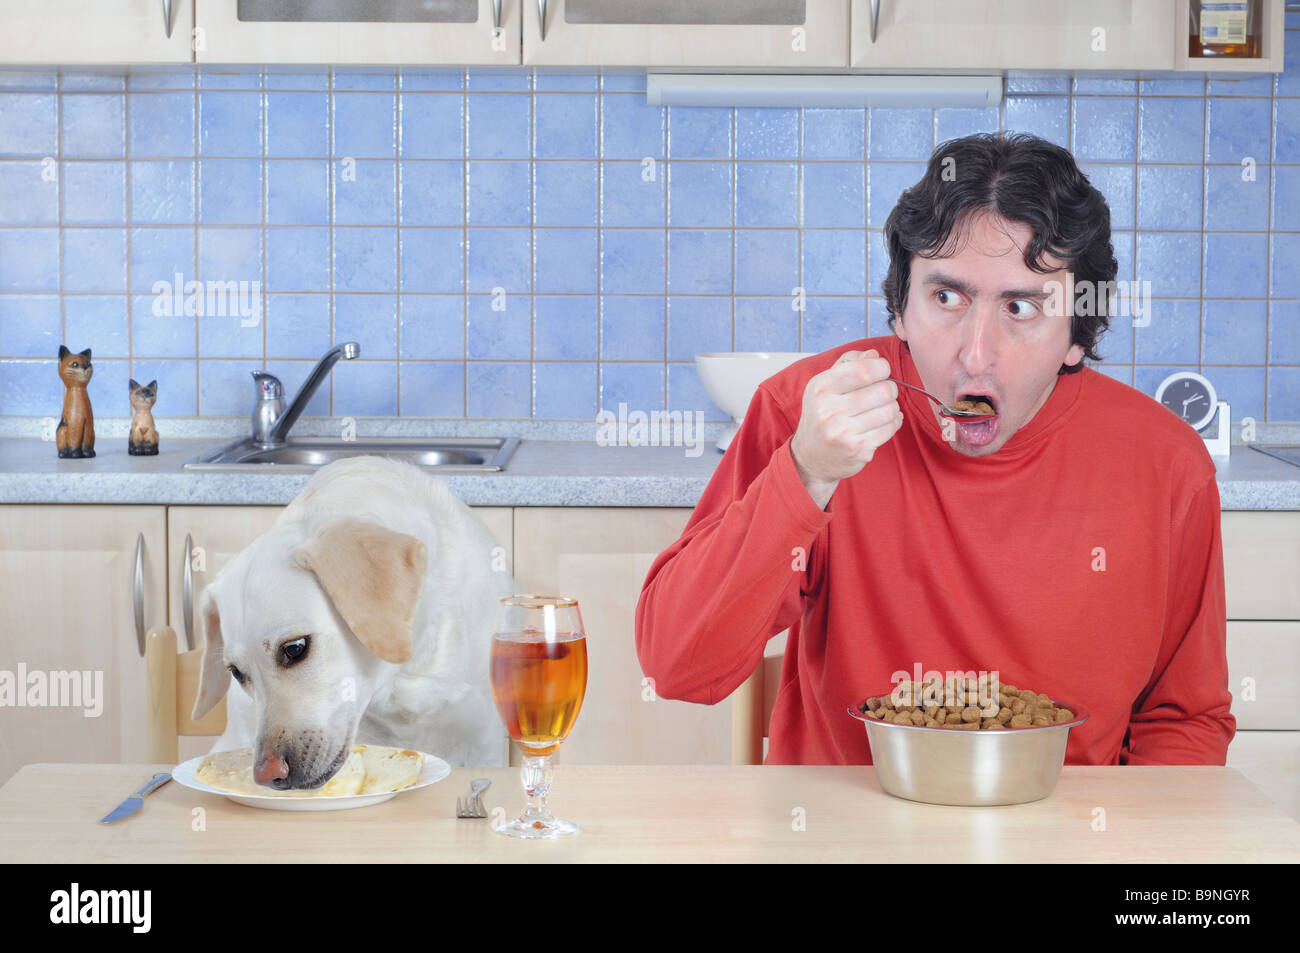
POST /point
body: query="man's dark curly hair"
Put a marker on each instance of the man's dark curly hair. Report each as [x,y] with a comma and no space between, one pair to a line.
[1024,179]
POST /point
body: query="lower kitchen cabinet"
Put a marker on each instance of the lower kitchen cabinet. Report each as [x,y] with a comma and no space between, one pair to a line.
[67,584]
[1264,677]
[204,538]
[1271,761]
[1261,564]
[600,556]
[67,578]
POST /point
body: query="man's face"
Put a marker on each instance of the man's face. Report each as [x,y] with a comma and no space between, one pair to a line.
[978,323]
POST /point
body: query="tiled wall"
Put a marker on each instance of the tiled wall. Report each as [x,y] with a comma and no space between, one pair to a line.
[388,207]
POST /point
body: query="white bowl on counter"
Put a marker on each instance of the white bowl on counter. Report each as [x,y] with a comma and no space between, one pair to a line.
[731,378]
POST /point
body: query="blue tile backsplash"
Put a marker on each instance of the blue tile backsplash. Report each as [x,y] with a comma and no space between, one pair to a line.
[543,244]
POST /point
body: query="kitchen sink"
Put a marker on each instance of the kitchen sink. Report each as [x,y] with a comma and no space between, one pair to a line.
[1290,455]
[469,454]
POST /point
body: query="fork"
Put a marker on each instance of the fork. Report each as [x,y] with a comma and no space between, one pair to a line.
[472,806]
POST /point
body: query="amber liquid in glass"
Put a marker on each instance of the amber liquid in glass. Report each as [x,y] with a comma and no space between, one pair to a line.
[538,687]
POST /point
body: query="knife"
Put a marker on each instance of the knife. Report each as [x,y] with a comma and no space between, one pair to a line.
[136,800]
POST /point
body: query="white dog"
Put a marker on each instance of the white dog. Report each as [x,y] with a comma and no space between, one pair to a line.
[365,614]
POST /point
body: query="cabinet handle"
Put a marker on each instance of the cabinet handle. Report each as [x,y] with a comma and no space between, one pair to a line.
[541,17]
[187,594]
[496,14]
[875,16]
[169,20]
[137,594]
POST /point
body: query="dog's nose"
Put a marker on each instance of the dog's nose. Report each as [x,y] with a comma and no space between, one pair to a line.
[270,767]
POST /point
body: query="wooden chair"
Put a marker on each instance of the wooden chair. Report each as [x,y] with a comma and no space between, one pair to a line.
[172,685]
[751,711]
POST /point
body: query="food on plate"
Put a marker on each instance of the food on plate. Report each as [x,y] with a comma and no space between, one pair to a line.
[369,769]
[975,406]
[389,769]
[965,705]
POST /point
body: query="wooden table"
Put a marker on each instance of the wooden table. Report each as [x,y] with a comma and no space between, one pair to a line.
[50,813]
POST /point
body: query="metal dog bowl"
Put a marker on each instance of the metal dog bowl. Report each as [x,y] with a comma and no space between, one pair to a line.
[979,768]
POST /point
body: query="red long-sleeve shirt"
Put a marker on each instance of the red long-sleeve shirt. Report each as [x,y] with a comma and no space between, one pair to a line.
[1083,559]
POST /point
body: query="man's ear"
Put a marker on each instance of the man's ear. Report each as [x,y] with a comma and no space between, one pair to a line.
[899,330]
[1074,355]
[214,678]
[374,577]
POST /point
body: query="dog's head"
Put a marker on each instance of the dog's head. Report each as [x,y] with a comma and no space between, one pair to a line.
[307,625]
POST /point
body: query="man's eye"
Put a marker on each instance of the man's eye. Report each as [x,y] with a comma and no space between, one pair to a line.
[950,300]
[239,676]
[1027,309]
[294,651]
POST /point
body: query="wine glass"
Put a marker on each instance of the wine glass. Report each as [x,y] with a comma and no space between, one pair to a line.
[539,678]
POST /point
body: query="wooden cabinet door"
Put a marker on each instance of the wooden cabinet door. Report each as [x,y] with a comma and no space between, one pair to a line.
[685,33]
[1261,564]
[468,33]
[215,534]
[205,538]
[94,31]
[1264,674]
[600,556]
[1014,34]
[1271,761]
[67,578]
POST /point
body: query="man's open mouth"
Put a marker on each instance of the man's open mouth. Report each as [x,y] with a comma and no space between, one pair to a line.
[977,433]
[976,403]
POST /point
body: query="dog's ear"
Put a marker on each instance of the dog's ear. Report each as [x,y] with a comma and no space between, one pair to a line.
[214,677]
[374,577]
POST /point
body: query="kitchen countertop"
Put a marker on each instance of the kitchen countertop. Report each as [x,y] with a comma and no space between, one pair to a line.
[554,465]
[49,813]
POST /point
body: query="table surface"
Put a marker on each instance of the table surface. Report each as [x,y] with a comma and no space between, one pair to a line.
[660,813]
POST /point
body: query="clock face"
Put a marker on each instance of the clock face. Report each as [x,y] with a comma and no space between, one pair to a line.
[1190,396]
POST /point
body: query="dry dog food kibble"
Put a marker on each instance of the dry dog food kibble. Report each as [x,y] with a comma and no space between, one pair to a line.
[965,705]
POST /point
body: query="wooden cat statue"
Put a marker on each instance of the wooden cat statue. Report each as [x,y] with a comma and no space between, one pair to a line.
[75,436]
[144,438]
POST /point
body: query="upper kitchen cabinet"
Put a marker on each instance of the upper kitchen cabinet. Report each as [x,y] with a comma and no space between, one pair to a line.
[414,32]
[800,34]
[1014,34]
[1258,30]
[95,32]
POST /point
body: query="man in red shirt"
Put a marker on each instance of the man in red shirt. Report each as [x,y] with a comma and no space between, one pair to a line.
[1072,543]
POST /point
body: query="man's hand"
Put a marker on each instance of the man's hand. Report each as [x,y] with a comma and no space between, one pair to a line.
[849,410]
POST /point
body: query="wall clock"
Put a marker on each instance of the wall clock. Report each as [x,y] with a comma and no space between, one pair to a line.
[1192,397]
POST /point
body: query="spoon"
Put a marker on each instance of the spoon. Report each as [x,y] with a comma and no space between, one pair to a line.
[945,409]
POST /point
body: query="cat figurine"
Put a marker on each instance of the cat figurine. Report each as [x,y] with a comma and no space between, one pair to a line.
[144,438]
[75,436]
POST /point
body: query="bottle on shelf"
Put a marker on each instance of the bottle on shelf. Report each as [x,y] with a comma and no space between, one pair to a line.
[1228,29]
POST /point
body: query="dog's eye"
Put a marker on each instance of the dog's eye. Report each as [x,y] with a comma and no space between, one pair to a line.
[294,651]
[239,676]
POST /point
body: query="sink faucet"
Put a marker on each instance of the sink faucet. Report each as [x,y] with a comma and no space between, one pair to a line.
[270,426]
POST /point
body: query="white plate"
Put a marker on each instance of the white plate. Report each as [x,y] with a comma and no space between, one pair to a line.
[435,769]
